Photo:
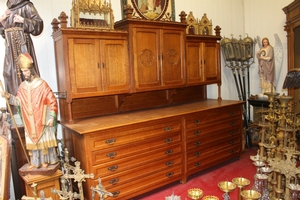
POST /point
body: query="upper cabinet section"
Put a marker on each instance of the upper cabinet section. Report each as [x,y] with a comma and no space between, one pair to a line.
[156,53]
[91,63]
[203,59]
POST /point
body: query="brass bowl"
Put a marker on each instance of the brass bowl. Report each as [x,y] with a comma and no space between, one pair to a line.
[195,193]
[210,197]
[250,194]
[241,182]
[227,186]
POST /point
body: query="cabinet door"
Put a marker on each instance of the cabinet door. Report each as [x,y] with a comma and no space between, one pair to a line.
[114,65]
[211,54]
[85,73]
[194,67]
[173,50]
[146,63]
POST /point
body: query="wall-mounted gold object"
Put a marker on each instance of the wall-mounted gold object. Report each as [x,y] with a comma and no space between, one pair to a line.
[93,14]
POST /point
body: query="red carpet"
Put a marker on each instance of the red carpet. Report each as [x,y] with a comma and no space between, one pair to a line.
[208,180]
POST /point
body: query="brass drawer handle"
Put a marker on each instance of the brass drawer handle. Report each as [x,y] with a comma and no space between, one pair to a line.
[116,193]
[232,141]
[232,114]
[232,132]
[170,163]
[169,175]
[197,143]
[197,154]
[114,181]
[110,141]
[113,168]
[168,129]
[169,152]
[232,151]
[197,164]
[111,154]
[232,123]
[197,132]
[197,121]
[168,141]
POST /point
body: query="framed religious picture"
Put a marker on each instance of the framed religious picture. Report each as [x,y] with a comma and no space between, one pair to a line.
[151,9]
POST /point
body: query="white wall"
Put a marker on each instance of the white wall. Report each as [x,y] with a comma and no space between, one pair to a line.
[237,17]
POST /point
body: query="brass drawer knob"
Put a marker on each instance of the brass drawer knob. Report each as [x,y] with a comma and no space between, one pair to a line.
[114,181]
[113,168]
[170,163]
[197,132]
[110,141]
[197,121]
[197,164]
[197,154]
[169,140]
[169,152]
[111,154]
[169,175]
[197,143]
[168,129]
[116,193]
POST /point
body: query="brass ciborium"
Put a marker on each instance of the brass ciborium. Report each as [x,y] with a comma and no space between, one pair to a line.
[195,193]
[210,197]
[250,194]
[227,187]
[240,183]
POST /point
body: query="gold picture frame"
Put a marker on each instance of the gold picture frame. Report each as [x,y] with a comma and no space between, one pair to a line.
[150,9]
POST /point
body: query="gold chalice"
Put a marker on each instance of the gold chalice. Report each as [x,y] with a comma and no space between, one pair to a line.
[250,194]
[240,183]
[210,197]
[195,193]
[226,186]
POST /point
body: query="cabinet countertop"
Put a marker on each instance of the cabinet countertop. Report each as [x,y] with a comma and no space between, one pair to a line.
[89,125]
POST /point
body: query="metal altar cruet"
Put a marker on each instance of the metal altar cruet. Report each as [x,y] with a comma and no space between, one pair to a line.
[226,187]
[240,182]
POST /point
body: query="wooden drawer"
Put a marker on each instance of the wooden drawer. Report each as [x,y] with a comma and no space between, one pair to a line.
[204,151]
[125,151]
[215,138]
[146,183]
[120,165]
[212,116]
[226,126]
[214,158]
[139,172]
[133,133]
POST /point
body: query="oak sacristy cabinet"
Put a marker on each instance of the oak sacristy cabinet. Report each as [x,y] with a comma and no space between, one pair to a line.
[136,113]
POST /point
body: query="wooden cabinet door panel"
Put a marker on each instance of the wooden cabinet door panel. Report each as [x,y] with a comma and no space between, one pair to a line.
[84,70]
[114,64]
[210,61]
[146,62]
[194,67]
[173,57]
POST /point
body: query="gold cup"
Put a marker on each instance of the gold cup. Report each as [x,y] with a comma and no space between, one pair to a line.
[250,194]
[195,193]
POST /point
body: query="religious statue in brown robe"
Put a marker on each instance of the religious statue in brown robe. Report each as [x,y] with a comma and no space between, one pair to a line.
[17,23]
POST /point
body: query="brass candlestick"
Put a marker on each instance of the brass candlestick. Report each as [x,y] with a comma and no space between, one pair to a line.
[240,183]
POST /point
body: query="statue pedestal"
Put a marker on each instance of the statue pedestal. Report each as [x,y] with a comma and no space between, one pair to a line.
[44,182]
[258,106]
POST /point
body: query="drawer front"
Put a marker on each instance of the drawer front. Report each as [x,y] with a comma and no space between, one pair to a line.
[204,151]
[212,116]
[134,133]
[214,158]
[215,138]
[141,171]
[146,183]
[228,125]
[120,165]
[125,151]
